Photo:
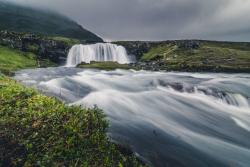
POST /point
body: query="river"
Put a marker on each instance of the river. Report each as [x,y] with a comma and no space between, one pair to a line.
[167,118]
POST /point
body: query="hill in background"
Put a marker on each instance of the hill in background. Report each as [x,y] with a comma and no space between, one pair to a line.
[24,19]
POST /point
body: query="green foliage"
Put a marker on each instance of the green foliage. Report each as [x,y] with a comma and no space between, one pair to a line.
[36,130]
[244,46]
[105,65]
[159,52]
[11,60]
[33,48]
[67,41]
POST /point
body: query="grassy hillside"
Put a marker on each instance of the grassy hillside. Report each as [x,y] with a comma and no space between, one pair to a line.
[24,19]
[223,56]
[159,52]
[11,60]
[36,130]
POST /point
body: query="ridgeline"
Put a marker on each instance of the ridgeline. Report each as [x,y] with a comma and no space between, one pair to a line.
[30,20]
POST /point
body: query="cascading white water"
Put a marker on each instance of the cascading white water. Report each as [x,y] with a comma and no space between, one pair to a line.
[169,119]
[98,52]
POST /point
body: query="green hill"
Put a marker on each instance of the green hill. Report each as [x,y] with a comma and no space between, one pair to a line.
[24,19]
[206,56]
[191,55]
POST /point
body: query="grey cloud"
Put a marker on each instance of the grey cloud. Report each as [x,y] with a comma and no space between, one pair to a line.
[156,19]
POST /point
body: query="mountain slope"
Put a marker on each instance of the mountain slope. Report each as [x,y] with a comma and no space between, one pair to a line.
[24,19]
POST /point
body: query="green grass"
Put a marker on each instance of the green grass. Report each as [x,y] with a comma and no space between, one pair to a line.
[215,56]
[36,130]
[34,48]
[218,56]
[105,65]
[159,52]
[11,60]
[67,41]
[233,45]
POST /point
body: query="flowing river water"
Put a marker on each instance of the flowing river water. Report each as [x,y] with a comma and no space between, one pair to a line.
[167,118]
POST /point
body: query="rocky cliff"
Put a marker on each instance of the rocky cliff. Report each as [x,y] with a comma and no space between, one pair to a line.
[43,47]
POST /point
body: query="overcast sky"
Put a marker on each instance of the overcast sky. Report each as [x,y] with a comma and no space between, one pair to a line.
[157,19]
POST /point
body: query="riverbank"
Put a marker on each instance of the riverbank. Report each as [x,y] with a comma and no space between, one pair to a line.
[161,66]
[186,67]
[107,66]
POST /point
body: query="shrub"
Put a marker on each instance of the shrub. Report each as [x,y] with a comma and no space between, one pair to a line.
[36,130]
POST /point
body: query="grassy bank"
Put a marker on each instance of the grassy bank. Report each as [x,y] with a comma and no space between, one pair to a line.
[210,56]
[105,65]
[12,60]
[40,130]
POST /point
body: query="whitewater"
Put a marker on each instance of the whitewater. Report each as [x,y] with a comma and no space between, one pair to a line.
[98,52]
[167,118]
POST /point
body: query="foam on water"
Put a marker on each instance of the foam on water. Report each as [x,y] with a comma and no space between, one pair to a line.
[170,119]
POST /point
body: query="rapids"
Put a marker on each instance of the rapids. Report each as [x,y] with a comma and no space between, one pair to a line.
[167,118]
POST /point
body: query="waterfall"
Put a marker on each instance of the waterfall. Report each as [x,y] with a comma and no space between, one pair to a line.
[98,52]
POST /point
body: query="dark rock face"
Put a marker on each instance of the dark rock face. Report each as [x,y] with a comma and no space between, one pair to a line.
[188,44]
[42,47]
[156,65]
[137,48]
